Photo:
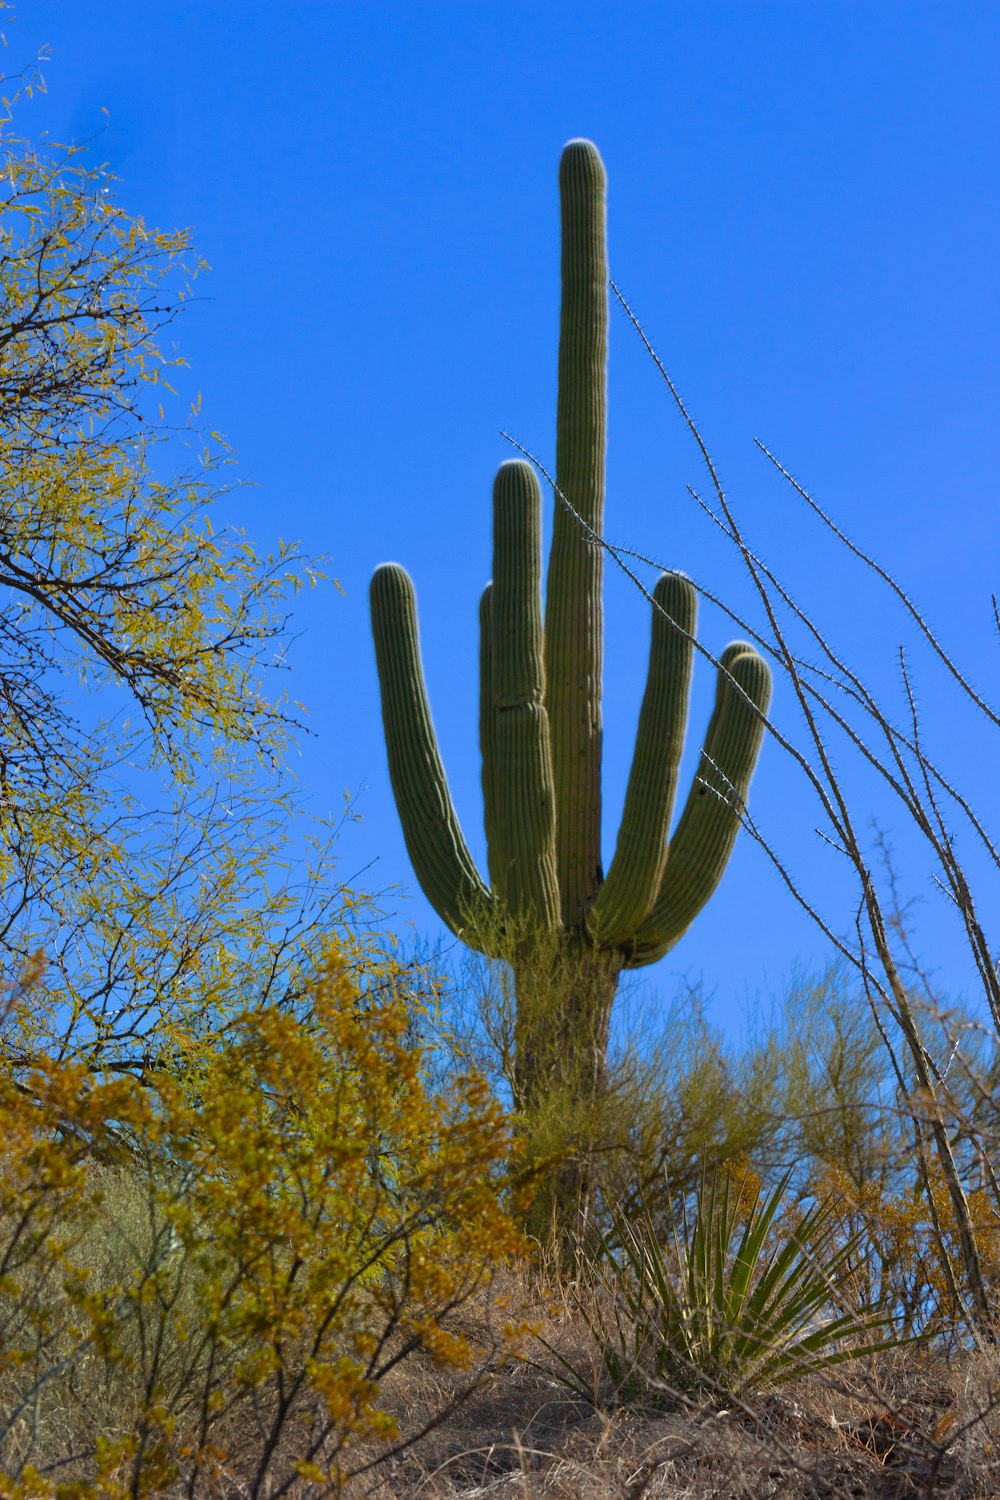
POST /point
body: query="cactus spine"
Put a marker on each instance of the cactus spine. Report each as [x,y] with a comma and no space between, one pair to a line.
[567,930]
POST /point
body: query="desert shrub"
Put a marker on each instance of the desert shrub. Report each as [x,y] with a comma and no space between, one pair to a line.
[907,1250]
[204,1279]
[806,1089]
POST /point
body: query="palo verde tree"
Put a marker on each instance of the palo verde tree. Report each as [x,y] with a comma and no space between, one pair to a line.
[231,1199]
[216,1308]
[136,736]
[567,930]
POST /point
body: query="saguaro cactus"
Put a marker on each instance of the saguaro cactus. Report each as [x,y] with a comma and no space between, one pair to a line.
[567,929]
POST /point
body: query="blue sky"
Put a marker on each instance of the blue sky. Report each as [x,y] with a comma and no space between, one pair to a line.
[803,209]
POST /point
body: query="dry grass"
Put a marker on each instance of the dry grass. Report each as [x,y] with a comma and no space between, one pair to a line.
[900,1425]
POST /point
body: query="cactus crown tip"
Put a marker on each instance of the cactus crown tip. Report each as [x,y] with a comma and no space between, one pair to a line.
[581,160]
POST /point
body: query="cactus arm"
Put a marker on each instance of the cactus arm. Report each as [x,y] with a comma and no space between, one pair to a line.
[574,607]
[487,722]
[636,872]
[708,826]
[437,849]
[523,849]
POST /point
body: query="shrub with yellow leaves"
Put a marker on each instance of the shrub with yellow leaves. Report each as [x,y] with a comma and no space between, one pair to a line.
[206,1280]
[908,1247]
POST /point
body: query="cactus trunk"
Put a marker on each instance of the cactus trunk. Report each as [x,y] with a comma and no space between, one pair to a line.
[564,1003]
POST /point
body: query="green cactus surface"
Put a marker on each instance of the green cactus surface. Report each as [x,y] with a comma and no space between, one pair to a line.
[540,721]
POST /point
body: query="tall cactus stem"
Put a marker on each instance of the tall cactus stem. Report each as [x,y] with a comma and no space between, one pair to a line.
[566,931]
[574,620]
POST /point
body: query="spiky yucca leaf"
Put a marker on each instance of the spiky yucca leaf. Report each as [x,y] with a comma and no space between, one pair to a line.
[731,1301]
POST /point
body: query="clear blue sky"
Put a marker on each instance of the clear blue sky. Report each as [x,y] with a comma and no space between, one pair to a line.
[804,210]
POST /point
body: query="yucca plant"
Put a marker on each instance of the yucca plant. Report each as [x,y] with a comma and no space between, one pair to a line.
[726,1300]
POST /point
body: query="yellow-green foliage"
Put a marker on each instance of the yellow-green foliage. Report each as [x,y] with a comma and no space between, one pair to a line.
[291,1211]
[806,1087]
[110,560]
[138,834]
[911,1251]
